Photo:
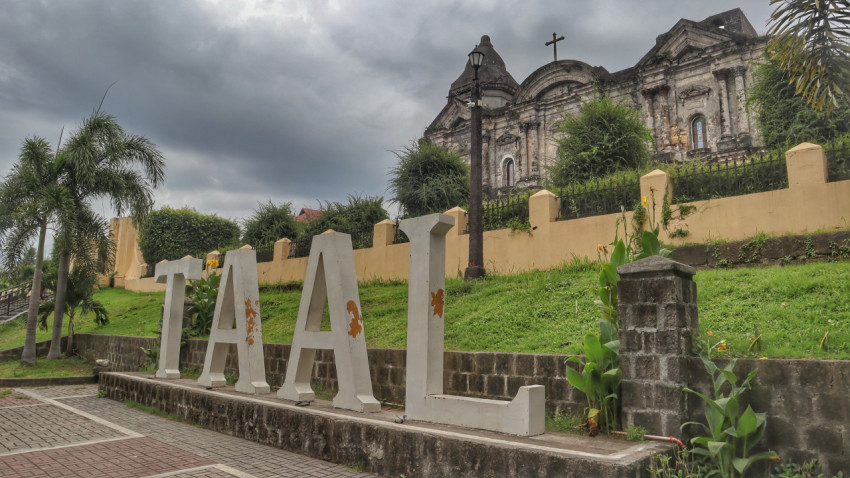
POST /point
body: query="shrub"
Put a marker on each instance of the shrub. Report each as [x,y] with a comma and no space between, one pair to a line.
[169,234]
[603,138]
[269,223]
[428,179]
[357,218]
[784,118]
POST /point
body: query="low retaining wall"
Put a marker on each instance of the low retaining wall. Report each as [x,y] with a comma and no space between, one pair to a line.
[805,400]
[373,442]
[473,374]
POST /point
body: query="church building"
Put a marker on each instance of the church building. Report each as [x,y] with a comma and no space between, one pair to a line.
[690,88]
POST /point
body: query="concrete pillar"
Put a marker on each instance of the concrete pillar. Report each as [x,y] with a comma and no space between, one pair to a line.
[659,182]
[543,208]
[658,326]
[741,93]
[282,248]
[649,114]
[723,93]
[806,164]
[383,233]
[460,218]
[485,159]
[535,155]
[662,135]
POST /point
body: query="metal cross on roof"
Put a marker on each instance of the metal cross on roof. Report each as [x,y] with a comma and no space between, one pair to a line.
[554,43]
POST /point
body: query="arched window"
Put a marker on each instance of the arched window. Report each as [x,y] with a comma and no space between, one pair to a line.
[699,136]
[508,173]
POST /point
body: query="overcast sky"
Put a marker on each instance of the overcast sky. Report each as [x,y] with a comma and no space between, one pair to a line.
[295,101]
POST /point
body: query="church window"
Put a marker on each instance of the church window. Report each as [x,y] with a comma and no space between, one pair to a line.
[699,136]
[509,173]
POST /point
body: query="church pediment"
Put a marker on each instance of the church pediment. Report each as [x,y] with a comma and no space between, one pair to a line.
[454,114]
[687,38]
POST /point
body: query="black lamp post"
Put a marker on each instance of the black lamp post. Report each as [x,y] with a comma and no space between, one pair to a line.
[475,268]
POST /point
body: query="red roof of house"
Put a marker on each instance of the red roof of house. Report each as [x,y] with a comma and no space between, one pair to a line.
[306,215]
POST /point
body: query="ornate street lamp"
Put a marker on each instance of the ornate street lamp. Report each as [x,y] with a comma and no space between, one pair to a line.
[475,268]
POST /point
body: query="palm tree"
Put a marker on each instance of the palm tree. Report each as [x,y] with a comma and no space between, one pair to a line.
[32,199]
[101,161]
[812,43]
[79,295]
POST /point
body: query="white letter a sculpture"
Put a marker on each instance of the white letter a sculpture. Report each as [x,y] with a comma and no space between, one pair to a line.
[331,276]
[238,303]
[424,399]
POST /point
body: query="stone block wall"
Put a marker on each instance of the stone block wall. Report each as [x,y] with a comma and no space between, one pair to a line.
[807,406]
[472,374]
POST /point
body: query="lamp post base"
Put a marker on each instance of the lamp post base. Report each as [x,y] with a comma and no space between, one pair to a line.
[473,272]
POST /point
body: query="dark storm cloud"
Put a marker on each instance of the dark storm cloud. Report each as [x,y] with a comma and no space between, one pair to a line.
[293,101]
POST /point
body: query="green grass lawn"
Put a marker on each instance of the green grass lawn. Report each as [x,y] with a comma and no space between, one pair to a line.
[66,367]
[790,307]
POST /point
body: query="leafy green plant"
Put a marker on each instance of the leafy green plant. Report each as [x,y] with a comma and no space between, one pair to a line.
[730,434]
[599,379]
[151,358]
[679,465]
[808,469]
[203,293]
[635,433]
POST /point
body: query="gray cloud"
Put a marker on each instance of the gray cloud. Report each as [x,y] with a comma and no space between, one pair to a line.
[290,101]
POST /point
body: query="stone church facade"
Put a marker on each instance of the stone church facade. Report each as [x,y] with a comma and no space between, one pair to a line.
[691,89]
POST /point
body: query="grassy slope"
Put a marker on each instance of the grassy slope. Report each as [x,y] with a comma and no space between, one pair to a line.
[551,311]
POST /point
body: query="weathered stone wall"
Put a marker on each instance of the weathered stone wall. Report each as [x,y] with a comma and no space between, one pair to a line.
[473,374]
[375,445]
[807,405]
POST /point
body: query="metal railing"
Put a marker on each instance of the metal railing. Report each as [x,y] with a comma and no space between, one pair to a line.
[265,252]
[14,299]
[504,212]
[700,181]
[838,162]
[595,198]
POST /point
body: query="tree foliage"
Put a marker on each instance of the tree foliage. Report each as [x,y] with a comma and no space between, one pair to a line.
[268,223]
[811,43]
[428,178]
[169,234]
[603,138]
[357,217]
[783,116]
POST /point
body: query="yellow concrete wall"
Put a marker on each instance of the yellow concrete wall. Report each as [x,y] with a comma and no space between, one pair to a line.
[809,204]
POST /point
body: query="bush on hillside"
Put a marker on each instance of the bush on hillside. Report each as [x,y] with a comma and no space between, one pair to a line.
[357,218]
[428,178]
[603,138]
[268,223]
[169,234]
[784,118]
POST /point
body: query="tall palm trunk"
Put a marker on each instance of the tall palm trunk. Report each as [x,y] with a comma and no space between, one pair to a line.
[59,309]
[28,356]
[69,351]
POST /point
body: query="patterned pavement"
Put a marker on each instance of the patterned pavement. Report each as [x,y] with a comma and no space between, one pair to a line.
[66,431]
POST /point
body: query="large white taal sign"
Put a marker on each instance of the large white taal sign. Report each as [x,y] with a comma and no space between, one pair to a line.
[331,279]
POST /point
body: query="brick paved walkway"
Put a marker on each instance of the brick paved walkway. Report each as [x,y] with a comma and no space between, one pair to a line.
[67,431]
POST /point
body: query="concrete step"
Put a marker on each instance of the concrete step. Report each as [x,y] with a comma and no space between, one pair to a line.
[376,443]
